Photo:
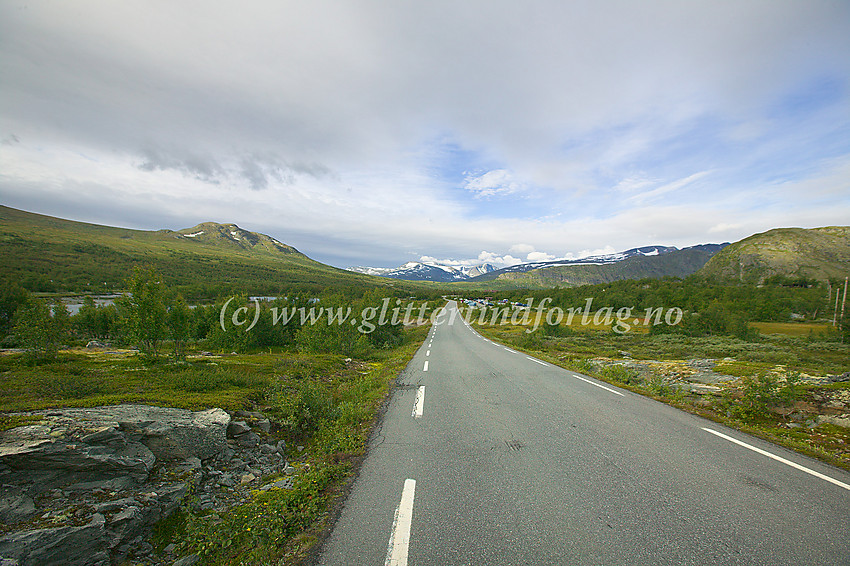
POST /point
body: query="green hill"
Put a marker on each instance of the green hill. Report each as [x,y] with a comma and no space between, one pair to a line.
[44,253]
[816,253]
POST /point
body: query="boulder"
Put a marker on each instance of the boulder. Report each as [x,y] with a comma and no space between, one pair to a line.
[34,457]
[171,434]
[237,428]
[84,545]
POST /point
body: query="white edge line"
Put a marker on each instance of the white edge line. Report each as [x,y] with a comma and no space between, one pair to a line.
[536,361]
[598,385]
[400,535]
[426,366]
[419,403]
[778,458]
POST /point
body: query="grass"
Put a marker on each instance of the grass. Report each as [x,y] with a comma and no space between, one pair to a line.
[791,328]
[325,403]
[742,405]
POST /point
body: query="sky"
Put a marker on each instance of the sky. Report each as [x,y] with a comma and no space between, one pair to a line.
[380,132]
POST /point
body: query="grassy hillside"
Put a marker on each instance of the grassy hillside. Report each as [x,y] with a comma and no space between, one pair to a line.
[51,254]
[817,253]
[680,263]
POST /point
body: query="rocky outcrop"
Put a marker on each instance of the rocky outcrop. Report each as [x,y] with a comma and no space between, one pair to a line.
[84,486]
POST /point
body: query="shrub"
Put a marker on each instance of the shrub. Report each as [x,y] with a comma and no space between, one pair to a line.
[36,331]
[756,395]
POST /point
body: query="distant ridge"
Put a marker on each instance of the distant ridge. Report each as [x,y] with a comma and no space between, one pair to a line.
[671,263]
[425,271]
[602,259]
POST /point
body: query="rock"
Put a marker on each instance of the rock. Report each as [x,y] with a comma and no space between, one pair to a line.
[237,428]
[264,425]
[113,484]
[839,378]
[247,478]
[281,446]
[49,462]
[187,560]
[248,440]
[94,344]
[189,464]
[110,506]
[226,480]
[61,546]
[837,421]
[15,505]
[267,449]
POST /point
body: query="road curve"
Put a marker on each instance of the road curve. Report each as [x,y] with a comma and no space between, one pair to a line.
[487,456]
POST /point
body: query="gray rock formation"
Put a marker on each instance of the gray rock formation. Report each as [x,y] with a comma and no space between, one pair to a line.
[85,486]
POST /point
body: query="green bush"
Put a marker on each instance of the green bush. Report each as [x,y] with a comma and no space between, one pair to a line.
[302,411]
[757,394]
[36,331]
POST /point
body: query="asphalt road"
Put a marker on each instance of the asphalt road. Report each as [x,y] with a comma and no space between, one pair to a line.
[488,457]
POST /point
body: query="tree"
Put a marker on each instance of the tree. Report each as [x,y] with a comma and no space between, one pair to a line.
[62,321]
[179,326]
[85,320]
[12,296]
[146,312]
[36,331]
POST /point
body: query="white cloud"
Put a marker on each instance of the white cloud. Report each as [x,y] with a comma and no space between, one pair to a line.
[668,187]
[540,256]
[491,183]
[521,249]
[723,228]
[316,122]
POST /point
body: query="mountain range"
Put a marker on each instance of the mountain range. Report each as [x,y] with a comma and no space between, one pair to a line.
[424,271]
[636,257]
[44,253]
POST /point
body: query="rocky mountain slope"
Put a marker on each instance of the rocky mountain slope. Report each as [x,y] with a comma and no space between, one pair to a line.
[816,253]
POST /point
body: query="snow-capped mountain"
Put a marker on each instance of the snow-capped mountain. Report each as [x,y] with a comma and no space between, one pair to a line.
[590,260]
[426,271]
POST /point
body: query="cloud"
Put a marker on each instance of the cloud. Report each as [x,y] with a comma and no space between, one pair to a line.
[723,228]
[521,249]
[492,183]
[540,256]
[433,128]
[668,187]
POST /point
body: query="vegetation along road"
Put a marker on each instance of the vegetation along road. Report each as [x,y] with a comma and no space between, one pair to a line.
[489,456]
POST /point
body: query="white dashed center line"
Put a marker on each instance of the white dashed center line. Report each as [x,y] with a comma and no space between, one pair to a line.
[426,366]
[400,536]
[419,403]
[778,458]
[598,385]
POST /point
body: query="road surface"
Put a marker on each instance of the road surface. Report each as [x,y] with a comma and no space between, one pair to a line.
[489,457]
